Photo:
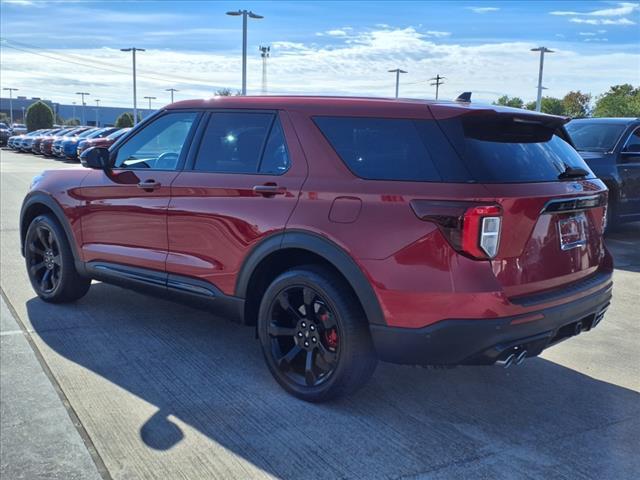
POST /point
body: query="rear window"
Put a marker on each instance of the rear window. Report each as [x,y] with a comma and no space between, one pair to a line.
[504,149]
[392,149]
[594,136]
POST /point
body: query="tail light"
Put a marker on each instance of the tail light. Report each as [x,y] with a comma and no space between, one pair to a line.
[472,229]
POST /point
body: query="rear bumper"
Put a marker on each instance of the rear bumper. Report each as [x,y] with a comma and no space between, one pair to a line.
[483,341]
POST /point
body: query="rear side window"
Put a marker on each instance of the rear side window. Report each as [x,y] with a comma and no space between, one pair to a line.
[243,143]
[503,149]
[380,148]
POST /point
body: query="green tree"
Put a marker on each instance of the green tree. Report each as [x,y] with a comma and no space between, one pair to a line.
[125,120]
[508,101]
[4,118]
[576,104]
[39,115]
[72,122]
[619,101]
[530,105]
[552,105]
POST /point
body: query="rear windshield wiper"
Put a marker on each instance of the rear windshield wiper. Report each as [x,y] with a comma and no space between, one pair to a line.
[573,172]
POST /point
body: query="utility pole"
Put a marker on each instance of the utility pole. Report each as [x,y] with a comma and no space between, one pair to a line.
[264,53]
[245,14]
[150,98]
[97,112]
[83,94]
[172,90]
[438,81]
[133,50]
[397,71]
[542,51]
[11,90]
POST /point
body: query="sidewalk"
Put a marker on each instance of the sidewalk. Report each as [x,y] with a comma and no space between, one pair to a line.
[37,436]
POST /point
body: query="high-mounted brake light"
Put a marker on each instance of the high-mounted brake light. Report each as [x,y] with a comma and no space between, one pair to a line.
[471,229]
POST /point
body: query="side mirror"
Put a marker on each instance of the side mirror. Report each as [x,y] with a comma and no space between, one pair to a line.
[96,157]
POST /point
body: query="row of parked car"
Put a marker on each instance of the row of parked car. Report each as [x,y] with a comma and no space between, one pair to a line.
[65,143]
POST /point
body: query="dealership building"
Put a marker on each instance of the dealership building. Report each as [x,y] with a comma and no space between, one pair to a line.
[92,115]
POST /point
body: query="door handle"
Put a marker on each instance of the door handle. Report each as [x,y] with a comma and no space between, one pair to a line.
[269,190]
[149,185]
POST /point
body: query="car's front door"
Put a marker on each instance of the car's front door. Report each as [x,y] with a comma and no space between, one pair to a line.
[241,186]
[629,170]
[124,218]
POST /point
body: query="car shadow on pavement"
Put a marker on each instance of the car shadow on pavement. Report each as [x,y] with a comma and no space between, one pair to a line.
[209,374]
[624,244]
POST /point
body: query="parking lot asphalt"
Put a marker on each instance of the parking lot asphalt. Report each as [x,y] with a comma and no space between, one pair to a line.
[160,390]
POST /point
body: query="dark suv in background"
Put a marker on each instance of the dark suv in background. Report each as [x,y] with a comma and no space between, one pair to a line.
[347,230]
[611,148]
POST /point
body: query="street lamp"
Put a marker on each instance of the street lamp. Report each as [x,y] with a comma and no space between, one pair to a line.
[11,90]
[150,98]
[397,71]
[172,90]
[83,94]
[133,50]
[542,51]
[73,115]
[97,112]
[245,14]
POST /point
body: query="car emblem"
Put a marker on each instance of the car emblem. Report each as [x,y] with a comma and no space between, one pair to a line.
[576,187]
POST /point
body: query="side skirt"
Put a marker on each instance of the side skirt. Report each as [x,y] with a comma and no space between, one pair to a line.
[189,291]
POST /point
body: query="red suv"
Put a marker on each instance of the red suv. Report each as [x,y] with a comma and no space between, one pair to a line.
[346,230]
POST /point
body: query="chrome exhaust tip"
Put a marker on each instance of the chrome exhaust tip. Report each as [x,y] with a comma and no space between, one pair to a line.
[521,356]
[507,361]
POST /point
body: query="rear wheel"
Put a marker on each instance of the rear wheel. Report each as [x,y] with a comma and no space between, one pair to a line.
[50,262]
[314,335]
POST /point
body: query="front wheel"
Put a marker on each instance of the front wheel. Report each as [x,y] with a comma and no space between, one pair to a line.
[314,334]
[50,262]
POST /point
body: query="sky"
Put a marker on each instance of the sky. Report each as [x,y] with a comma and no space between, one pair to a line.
[52,49]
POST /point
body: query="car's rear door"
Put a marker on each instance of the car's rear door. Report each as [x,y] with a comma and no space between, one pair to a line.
[124,219]
[629,170]
[239,187]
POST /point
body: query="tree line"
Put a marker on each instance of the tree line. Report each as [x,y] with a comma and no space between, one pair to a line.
[619,101]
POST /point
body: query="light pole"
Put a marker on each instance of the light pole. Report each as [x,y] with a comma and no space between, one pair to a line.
[24,117]
[397,71]
[73,115]
[172,90]
[245,14]
[150,98]
[133,50]
[11,90]
[542,51]
[97,112]
[83,94]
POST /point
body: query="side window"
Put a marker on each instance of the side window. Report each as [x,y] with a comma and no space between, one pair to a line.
[380,148]
[233,142]
[159,145]
[275,159]
[633,142]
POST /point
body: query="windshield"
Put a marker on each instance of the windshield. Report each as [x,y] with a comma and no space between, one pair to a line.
[117,134]
[595,137]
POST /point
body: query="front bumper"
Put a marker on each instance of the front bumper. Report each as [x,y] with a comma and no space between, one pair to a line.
[484,341]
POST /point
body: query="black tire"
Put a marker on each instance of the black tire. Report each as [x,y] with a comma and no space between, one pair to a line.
[50,263]
[342,354]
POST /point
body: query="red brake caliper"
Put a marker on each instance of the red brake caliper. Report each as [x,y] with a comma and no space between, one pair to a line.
[330,336]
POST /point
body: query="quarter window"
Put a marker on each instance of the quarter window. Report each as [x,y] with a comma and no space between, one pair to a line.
[159,145]
[633,143]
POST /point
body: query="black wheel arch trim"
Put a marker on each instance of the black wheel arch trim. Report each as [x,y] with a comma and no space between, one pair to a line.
[323,247]
[45,199]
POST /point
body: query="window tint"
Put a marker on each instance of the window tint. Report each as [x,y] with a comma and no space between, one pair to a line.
[499,149]
[380,148]
[633,143]
[594,137]
[275,159]
[159,145]
[233,143]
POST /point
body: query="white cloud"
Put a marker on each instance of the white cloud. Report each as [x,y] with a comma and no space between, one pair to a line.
[625,8]
[602,21]
[356,66]
[25,3]
[336,33]
[483,9]
[587,34]
[437,33]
